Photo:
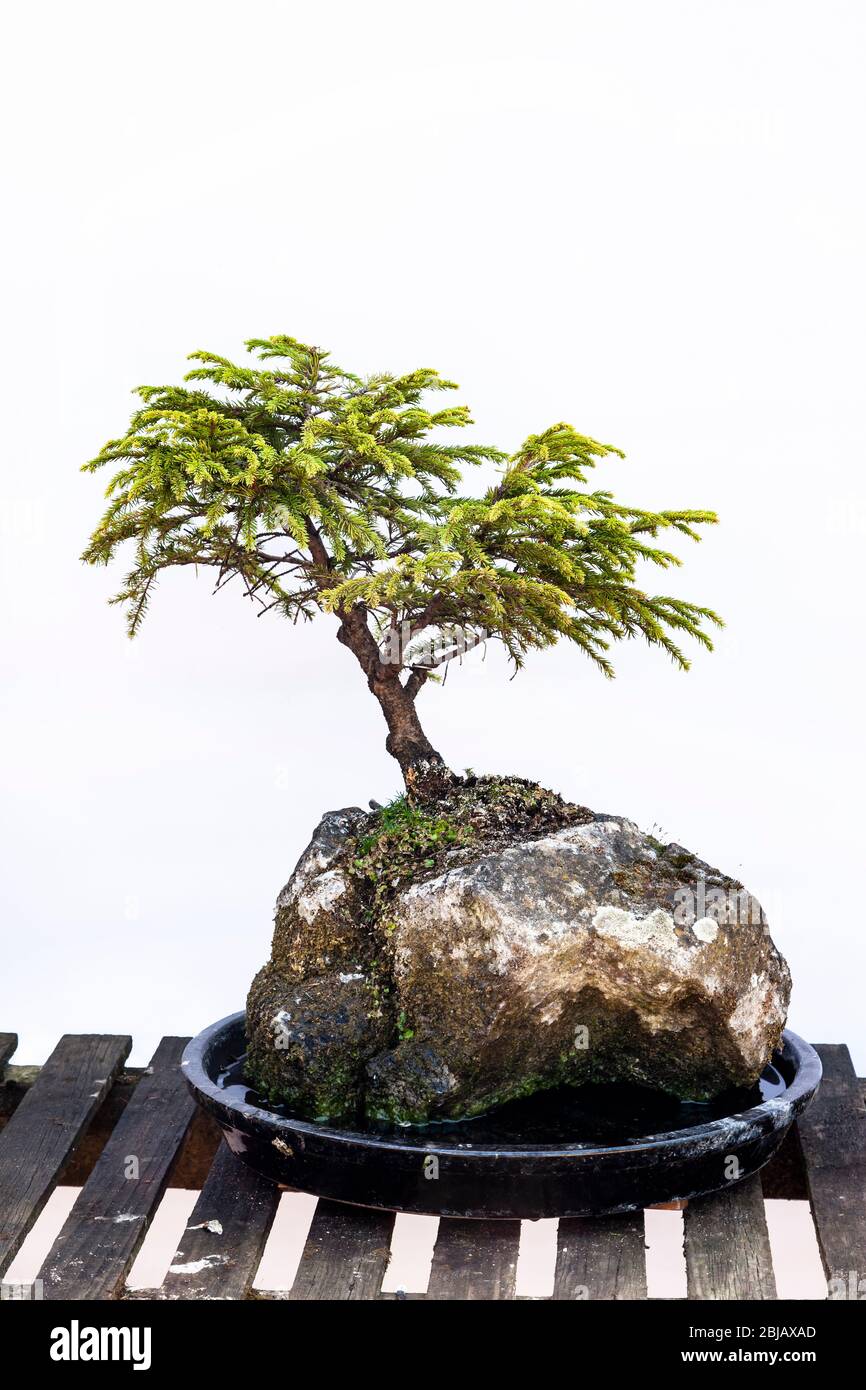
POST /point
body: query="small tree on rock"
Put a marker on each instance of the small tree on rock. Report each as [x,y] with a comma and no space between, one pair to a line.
[321,491]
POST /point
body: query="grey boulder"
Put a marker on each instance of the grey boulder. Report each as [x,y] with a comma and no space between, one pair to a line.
[593,953]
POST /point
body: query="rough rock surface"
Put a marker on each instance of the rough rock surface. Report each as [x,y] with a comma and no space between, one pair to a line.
[585,952]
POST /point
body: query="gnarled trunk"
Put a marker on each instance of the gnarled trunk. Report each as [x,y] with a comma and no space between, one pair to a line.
[423,768]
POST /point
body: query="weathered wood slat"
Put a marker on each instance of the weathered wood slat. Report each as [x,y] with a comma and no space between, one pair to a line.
[53,1117]
[474,1260]
[602,1257]
[99,1240]
[226,1235]
[727,1247]
[8,1044]
[44,1129]
[346,1254]
[833,1140]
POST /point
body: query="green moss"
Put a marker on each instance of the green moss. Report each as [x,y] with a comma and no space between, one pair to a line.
[679,860]
[403,843]
[404,1032]
[379,988]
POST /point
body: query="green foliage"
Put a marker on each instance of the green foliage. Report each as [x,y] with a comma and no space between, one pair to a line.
[322,491]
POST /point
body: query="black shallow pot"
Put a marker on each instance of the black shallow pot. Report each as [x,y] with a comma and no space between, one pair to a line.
[563,1153]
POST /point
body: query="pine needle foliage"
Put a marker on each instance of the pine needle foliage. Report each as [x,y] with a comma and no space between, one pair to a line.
[322,491]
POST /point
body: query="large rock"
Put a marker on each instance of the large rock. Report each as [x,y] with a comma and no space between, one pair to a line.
[589,953]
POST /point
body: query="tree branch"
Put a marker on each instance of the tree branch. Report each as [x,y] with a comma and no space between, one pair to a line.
[417,677]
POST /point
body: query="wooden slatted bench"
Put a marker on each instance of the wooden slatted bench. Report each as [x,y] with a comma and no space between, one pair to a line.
[83,1118]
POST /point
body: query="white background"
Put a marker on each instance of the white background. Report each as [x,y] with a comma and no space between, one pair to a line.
[645,219]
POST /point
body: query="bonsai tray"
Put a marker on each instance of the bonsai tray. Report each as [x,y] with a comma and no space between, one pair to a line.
[592,1151]
[74,1121]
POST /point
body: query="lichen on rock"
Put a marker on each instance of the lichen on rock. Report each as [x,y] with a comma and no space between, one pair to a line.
[432,962]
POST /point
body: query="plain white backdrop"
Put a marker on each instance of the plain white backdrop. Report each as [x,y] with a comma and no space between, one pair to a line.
[646,219]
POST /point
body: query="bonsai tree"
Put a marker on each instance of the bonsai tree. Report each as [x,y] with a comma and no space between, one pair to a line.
[319,491]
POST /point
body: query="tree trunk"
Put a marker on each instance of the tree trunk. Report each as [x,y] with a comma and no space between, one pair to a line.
[423,768]
[406,741]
